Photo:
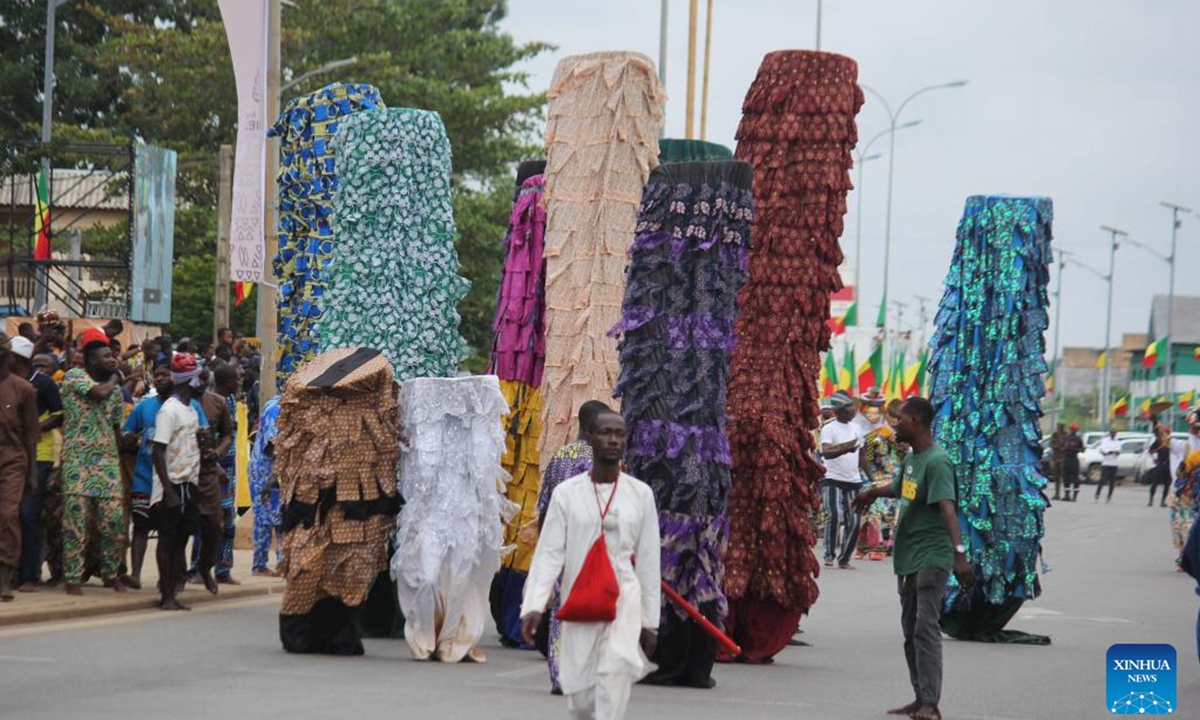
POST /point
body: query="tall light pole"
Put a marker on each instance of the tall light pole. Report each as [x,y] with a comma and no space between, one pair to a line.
[894,119]
[861,157]
[1062,265]
[268,322]
[1170,369]
[818,25]
[1112,265]
[663,42]
[42,287]
[327,67]
[1102,410]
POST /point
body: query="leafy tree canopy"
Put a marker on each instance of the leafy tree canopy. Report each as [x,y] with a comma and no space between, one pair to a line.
[160,70]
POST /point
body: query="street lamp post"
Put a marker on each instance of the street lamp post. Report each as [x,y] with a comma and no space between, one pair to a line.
[894,118]
[1062,265]
[1105,390]
[1170,369]
[1102,410]
[327,67]
[41,291]
[268,318]
[862,158]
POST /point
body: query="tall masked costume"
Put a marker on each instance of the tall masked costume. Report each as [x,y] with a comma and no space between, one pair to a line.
[987,371]
[336,455]
[449,534]
[687,264]
[798,131]
[518,356]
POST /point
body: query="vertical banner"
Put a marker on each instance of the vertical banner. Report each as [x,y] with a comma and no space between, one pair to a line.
[153,234]
[246,28]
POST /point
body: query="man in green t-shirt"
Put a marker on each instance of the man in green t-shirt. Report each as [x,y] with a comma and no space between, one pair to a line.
[928,547]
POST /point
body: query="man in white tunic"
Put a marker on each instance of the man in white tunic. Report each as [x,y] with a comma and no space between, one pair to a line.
[600,661]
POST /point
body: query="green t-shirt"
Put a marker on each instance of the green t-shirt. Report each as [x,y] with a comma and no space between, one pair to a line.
[921,538]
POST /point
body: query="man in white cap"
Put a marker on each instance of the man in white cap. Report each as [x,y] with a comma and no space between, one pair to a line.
[840,442]
[50,416]
[19,435]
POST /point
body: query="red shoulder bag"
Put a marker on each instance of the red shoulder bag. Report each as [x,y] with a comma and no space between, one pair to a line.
[593,597]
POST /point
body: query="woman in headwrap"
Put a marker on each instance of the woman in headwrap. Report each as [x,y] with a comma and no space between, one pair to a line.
[881,454]
[1182,501]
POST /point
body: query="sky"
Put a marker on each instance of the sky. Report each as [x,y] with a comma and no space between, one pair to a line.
[1094,103]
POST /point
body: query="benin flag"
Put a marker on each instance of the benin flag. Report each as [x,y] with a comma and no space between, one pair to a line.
[847,376]
[881,318]
[829,375]
[1152,352]
[870,373]
[1196,353]
[1144,408]
[1050,379]
[1186,399]
[838,325]
[1120,408]
[1100,361]
[241,291]
[41,250]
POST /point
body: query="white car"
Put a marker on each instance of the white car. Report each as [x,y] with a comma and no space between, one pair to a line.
[1146,459]
[1128,463]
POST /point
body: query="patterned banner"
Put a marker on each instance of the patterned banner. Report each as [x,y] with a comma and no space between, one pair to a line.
[246,28]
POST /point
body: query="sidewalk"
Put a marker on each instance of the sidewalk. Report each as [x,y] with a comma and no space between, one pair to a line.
[52,604]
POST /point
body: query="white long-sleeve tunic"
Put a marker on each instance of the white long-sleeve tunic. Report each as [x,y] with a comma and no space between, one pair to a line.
[630,529]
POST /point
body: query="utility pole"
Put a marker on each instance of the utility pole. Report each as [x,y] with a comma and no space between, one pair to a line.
[689,121]
[1062,264]
[662,43]
[224,220]
[268,326]
[704,86]
[1169,370]
[42,274]
[818,25]
[922,303]
[900,306]
[1105,390]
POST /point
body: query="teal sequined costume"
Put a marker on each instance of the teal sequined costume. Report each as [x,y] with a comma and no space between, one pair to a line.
[987,382]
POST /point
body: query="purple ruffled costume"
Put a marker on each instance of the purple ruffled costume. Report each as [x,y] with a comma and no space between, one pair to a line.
[687,263]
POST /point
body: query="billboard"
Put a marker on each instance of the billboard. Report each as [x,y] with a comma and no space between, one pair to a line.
[153,234]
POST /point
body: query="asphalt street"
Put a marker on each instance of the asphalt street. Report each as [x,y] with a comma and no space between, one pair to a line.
[1111,581]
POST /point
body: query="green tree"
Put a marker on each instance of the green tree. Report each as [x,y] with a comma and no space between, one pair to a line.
[177,90]
[87,94]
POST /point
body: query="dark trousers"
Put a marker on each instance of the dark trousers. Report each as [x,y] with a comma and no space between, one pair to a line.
[839,505]
[920,613]
[1108,474]
[1070,480]
[1164,483]
[32,535]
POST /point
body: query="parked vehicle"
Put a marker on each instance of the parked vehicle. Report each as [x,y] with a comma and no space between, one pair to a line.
[1146,459]
[1132,448]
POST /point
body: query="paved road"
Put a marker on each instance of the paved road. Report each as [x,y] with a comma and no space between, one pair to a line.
[1112,581]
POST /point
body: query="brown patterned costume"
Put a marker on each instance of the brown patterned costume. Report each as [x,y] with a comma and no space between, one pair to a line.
[336,458]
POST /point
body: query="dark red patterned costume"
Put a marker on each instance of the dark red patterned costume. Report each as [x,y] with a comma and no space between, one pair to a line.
[798,131]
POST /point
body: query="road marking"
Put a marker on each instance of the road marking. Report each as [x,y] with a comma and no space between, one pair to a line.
[138,616]
[1044,614]
[18,658]
[523,672]
[289,673]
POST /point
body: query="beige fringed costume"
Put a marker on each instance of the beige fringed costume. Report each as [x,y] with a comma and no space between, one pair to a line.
[605,112]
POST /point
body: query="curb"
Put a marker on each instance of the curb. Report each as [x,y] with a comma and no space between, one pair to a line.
[113,606]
